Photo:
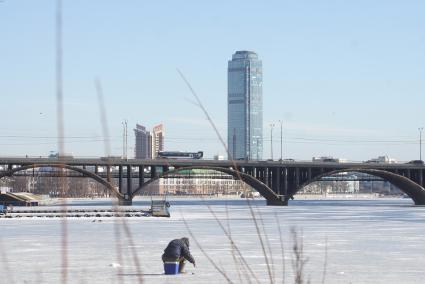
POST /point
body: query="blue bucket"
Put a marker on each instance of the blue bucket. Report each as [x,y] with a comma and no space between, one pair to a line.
[171,267]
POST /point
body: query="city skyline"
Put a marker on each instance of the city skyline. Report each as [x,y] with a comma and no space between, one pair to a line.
[346,79]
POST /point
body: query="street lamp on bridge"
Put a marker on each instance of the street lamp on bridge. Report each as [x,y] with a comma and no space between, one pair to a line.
[281,123]
[420,142]
[271,140]
[124,140]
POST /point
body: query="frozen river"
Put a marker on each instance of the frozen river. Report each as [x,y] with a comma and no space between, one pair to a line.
[347,241]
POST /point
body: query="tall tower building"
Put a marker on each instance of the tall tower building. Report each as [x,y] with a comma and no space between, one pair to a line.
[143,147]
[245,106]
[157,140]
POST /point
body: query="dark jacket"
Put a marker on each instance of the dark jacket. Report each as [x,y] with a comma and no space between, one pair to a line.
[179,248]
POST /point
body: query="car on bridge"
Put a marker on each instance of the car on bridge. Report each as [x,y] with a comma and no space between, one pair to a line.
[416,162]
[287,160]
[328,160]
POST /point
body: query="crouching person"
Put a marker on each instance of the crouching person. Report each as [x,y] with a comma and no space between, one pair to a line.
[178,251]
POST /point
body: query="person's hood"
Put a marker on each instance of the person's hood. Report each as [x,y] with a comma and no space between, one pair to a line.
[185,241]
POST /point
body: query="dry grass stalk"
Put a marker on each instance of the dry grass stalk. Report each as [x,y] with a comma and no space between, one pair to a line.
[282,247]
[233,244]
[267,243]
[325,263]
[262,243]
[222,272]
[61,146]
[299,261]
[133,250]
[120,221]
[238,264]
[236,253]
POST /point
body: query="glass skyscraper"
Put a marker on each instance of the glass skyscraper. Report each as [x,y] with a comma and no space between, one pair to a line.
[245,106]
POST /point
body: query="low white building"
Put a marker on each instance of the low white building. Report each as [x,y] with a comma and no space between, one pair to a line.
[198,182]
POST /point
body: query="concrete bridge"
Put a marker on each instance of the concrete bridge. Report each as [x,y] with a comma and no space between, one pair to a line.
[276,181]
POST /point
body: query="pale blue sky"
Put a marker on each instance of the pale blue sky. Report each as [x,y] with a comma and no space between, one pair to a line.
[346,77]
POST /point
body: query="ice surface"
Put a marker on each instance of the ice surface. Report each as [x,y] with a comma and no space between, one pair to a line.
[367,241]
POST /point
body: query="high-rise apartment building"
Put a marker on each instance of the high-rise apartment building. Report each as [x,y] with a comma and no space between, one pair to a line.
[148,144]
[157,140]
[143,147]
[245,106]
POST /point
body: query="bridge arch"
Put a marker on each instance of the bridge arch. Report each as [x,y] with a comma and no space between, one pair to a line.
[411,188]
[64,166]
[262,188]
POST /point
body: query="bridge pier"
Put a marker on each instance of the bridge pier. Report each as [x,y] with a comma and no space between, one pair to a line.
[279,202]
[126,201]
[141,175]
